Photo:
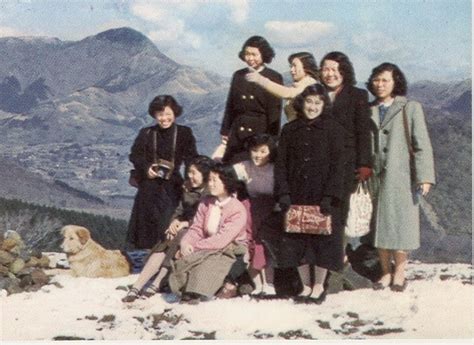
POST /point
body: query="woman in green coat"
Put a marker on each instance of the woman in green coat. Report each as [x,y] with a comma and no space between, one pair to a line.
[403,172]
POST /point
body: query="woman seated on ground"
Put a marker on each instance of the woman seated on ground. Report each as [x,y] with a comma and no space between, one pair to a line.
[257,174]
[309,171]
[304,71]
[194,188]
[213,243]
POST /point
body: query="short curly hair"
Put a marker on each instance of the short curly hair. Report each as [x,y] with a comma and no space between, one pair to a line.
[227,175]
[203,164]
[263,46]
[160,102]
[400,88]
[308,61]
[257,140]
[345,66]
[312,90]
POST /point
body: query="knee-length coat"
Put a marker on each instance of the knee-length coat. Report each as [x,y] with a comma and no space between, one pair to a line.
[156,199]
[310,166]
[395,219]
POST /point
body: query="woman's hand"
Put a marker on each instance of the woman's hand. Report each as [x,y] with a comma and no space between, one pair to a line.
[175,227]
[151,173]
[187,250]
[424,188]
[255,77]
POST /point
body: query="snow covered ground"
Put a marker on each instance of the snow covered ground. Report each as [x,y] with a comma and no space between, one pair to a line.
[438,303]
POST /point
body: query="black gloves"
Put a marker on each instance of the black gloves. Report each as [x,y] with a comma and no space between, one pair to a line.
[325,205]
[285,202]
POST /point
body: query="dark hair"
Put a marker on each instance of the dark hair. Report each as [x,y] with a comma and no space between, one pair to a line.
[263,46]
[227,176]
[345,66]
[203,164]
[262,139]
[160,102]
[312,90]
[400,87]
[310,65]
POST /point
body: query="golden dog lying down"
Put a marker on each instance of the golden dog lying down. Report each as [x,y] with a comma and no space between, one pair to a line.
[87,258]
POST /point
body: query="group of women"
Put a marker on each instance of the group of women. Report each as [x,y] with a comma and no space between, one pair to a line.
[209,232]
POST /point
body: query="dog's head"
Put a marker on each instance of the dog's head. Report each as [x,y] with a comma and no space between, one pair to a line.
[74,238]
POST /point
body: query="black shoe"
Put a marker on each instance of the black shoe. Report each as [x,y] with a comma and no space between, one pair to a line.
[310,300]
[378,286]
[191,298]
[132,295]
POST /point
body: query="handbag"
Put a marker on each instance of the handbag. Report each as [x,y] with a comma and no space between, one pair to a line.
[307,219]
[360,212]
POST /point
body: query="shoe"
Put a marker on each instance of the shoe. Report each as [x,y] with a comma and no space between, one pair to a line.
[378,286]
[268,289]
[132,295]
[399,288]
[150,291]
[190,298]
[227,291]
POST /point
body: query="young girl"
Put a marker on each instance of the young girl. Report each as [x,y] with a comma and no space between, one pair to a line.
[194,188]
[250,109]
[216,238]
[257,174]
[309,171]
[304,72]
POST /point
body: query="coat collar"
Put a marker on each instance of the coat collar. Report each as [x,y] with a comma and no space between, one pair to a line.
[300,123]
[394,109]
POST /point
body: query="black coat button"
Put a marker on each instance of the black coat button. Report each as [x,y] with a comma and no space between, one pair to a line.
[385,150]
[385,131]
[306,159]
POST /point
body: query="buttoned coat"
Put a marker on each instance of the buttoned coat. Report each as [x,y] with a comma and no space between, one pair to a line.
[395,219]
[249,105]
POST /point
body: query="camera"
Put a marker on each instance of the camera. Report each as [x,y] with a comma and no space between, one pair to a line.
[163,168]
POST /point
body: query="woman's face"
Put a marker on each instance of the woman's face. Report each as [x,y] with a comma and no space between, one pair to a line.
[195,177]
[253,57]
[383,85]
[260,155]
[297,70]
[330,74]
[313,106]
[215,185]
[165,118]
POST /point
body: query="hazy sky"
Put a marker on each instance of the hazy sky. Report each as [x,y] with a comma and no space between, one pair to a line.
[428,39]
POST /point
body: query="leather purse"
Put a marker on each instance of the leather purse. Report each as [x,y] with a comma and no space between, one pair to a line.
[307,219]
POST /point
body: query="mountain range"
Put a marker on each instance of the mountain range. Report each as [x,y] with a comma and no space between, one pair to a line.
[70,110]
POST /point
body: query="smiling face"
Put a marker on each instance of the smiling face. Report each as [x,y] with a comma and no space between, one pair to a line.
[297,70]
[313,106]
[195,177]
[165,118]
[260,155]
[383,85]
[253,57]
[330,75]
[216,186]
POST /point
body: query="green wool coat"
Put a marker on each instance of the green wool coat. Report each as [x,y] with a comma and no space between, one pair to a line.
[396,220]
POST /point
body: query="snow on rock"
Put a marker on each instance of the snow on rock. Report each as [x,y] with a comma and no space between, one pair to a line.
[438,303]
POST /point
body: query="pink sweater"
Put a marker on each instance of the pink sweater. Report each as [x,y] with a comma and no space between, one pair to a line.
[232,226]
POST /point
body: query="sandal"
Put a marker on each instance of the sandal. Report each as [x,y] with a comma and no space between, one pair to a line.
[150,291]
[131,296]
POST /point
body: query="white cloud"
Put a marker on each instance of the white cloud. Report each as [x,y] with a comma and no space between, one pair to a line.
[152,12]
[298,33]
[239,10]
[6,31]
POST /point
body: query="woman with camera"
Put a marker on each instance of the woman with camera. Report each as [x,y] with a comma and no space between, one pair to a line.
[157,155]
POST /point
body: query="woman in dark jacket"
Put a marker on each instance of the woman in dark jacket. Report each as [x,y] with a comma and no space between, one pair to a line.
[157,168]
[309,171]
[351,111]
[250,109]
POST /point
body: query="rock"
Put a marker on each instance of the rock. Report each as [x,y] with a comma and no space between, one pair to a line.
[24,254]
[14,287]
[25,271]
[33,262]
[25,281]
[6,258]
[3,270]
[5,282]
[16,266]
[44,262]
[8,244]
[36,253]
[13,235]
[39,277]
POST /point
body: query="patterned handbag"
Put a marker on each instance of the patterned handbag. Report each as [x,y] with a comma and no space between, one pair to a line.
[307,219]
[360,212]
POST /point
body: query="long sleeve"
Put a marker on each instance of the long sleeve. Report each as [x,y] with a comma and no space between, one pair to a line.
[362,129]
[189,146]
[287,92]
[230,227]
[334,186]
[274,109]
[196,230]
[281,186]
[424,162]
[229,115]
[138,152]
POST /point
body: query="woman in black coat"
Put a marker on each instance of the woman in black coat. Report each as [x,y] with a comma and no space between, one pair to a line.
[159,185]
[250,109]
[351,111]
[309,171]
